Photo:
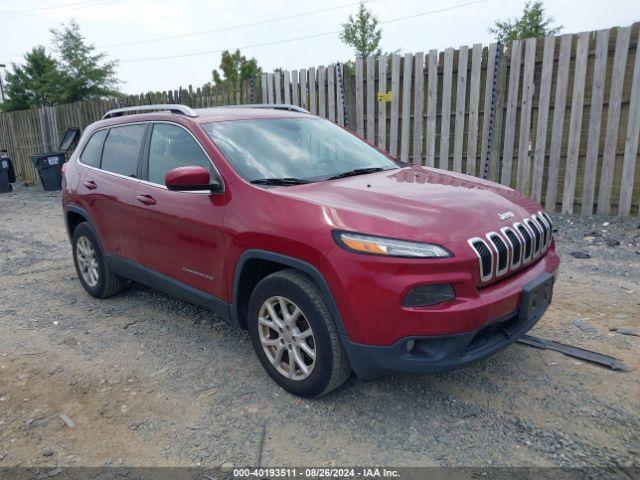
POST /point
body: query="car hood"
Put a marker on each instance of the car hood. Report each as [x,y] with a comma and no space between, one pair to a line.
[415,203]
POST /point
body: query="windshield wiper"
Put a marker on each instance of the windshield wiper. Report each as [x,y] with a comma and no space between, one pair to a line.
[280,181]
[356,171]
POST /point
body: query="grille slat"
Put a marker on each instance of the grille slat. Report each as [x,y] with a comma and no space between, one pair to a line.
[485,257]
[528,241]
[503,252]
[537,221]
[545,221]
[516,246]
[545,230]
[537,235]
[548,219]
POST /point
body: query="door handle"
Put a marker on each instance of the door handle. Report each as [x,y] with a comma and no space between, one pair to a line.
[146,199]
[90,184]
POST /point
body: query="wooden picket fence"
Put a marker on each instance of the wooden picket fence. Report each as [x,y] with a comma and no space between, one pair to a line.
[558,118]
[27,132]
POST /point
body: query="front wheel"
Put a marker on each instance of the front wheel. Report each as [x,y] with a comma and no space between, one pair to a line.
[295,336]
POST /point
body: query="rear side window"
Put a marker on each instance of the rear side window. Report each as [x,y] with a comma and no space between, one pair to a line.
[122,148]
[92,150]
[173,147]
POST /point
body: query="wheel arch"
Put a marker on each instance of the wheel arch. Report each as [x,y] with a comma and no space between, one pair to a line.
[74,216]
[254,265]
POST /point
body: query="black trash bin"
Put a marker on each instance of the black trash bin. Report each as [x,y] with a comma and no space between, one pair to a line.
[5,186]
[49,165]
[49,168]
[7,174]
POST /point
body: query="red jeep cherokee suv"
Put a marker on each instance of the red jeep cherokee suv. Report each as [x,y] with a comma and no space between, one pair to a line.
[335,256]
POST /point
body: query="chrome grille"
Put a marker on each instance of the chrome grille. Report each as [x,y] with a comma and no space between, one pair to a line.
[513,247]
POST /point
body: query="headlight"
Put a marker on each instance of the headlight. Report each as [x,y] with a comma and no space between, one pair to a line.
[390,247]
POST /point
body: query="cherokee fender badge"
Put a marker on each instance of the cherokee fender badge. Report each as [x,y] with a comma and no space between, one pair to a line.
[197,273]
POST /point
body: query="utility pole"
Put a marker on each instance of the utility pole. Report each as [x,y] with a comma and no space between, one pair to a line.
[3,67]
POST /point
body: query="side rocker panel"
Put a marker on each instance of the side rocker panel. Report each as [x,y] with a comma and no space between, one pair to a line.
[134,271]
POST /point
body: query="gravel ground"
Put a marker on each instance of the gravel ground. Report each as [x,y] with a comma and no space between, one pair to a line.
[148,380]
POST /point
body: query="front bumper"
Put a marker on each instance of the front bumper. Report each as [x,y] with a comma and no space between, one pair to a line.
[368,292]
[441,353]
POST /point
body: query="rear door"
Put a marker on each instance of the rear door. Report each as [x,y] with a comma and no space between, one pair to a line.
[181,232]
[109,185]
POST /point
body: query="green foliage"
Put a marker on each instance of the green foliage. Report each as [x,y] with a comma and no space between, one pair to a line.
[38,82]
[533,23]
[362,33]
[88,74]
[235,68]
[78,74]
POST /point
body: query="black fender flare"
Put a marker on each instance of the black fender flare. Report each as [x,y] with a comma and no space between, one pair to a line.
[292,262]
[81,211]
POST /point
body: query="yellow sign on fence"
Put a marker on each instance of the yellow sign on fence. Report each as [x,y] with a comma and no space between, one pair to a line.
[385,97]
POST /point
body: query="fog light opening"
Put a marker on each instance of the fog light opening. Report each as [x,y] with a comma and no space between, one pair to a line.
[410,345]
[426,295]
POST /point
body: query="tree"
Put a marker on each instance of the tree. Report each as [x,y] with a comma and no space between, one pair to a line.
[533,23]
[235,68]
[78,74]
[362,33]
[88,74]
[36,83]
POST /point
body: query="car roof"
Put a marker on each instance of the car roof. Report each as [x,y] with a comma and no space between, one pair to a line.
[203,115]
[218,114]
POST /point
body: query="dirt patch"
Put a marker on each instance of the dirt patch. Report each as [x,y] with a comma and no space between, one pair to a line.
[148,380]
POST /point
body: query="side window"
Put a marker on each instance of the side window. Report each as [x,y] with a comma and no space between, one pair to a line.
[173,147]
[92,150]
[121,149]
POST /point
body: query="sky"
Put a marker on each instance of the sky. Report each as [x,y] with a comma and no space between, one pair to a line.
[134,32]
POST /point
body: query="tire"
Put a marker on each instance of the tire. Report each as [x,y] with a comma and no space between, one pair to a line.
[107,283]
[330,368]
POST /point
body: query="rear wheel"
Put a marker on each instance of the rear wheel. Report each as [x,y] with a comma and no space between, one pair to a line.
[95,275]
[294,335]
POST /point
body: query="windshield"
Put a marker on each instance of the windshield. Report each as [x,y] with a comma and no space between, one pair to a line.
[293,148]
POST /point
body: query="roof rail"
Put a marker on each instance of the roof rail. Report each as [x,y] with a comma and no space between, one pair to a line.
[173,108]
[274,106]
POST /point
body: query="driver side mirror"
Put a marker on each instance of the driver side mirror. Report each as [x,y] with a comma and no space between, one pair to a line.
[189,179]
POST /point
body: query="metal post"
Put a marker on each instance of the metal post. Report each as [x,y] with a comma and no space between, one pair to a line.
[2,67]
[341,90]
[494,98]
[252,84]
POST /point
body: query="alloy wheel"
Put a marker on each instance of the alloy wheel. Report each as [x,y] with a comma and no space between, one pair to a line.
[87,261]
[287,338]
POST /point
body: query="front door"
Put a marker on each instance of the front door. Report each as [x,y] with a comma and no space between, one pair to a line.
[180,232]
